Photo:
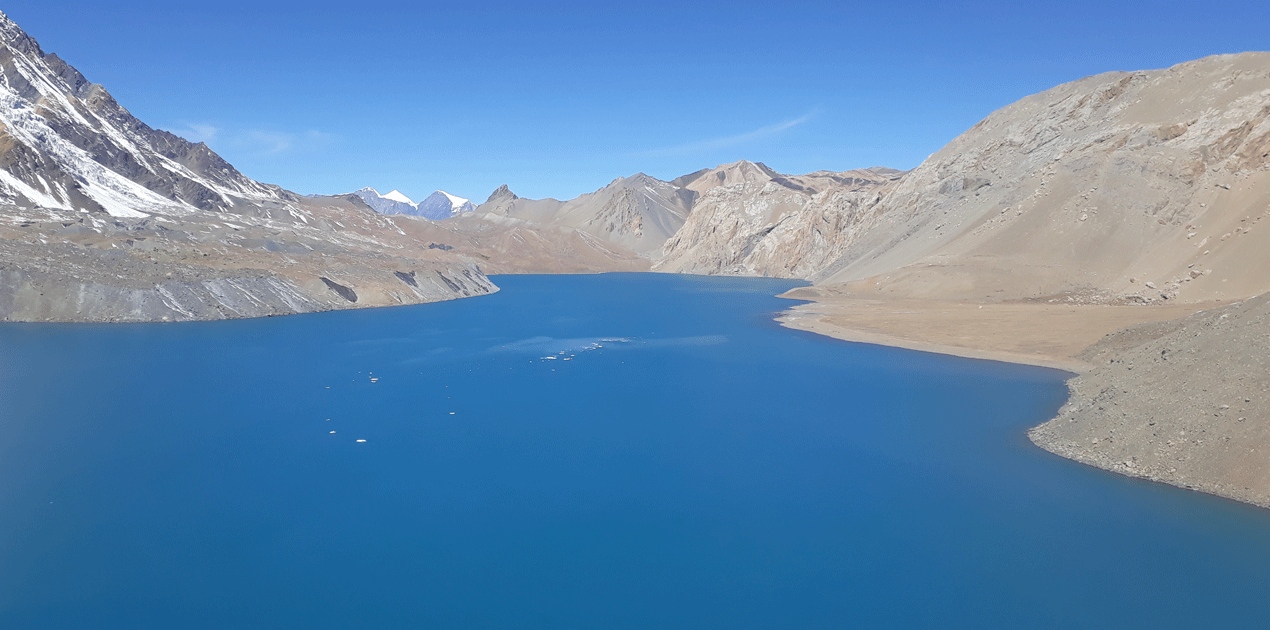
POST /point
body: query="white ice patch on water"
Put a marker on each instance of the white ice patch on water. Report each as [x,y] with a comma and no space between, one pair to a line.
[700,340]
[549,345]
[554,346]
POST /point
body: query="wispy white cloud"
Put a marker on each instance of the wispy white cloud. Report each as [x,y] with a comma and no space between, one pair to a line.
[761,133]
[255,141]
[196,132]
[278,142]
[267,141]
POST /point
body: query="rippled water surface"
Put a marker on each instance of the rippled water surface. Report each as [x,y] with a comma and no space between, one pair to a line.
[681,462]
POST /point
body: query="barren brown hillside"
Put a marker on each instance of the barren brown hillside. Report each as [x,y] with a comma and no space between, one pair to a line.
[1123,186]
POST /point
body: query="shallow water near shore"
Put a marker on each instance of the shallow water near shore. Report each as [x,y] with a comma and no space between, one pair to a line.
[682,462]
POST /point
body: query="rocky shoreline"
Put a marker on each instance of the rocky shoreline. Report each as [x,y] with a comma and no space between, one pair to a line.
[1182,402]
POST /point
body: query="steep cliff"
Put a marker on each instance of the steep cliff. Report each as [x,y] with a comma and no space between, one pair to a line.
[751,220]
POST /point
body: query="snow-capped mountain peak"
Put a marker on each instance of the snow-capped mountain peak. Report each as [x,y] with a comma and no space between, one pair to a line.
[392,203]
[443,205]
[396,195]
[439,205]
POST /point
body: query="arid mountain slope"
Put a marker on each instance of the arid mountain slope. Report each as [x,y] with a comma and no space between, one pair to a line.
[742,172]
[751,220]
[637,213]
[1121,186]
[104,219]
[499,244]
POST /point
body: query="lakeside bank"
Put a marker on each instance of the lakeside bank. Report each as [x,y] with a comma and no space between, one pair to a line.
[1192,414]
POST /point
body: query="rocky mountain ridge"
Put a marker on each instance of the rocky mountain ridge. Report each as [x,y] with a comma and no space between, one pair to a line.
[67,144]
[1125,188]
[103,218]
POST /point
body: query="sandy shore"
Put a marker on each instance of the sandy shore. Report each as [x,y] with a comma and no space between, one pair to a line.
[1049,335]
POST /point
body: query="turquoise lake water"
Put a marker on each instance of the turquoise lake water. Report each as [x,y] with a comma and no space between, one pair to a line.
[691,465]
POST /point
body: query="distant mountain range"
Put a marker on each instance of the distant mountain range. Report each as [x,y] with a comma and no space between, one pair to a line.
[645,216]
[439,205]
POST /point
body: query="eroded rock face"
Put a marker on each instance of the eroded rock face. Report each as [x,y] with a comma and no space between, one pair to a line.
[756,222]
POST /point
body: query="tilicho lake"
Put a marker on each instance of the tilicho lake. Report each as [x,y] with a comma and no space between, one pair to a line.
[611,451]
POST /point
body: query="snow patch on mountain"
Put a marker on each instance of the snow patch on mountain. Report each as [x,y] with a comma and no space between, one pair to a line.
[74,147]
[457,202]
[117,195]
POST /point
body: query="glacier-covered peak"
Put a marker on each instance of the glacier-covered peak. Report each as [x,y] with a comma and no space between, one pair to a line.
[396,195]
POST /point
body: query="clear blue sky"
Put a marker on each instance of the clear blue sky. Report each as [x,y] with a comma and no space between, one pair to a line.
[559,99]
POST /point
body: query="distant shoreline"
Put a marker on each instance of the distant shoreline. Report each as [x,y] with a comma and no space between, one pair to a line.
[809,322]
[1040,334]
